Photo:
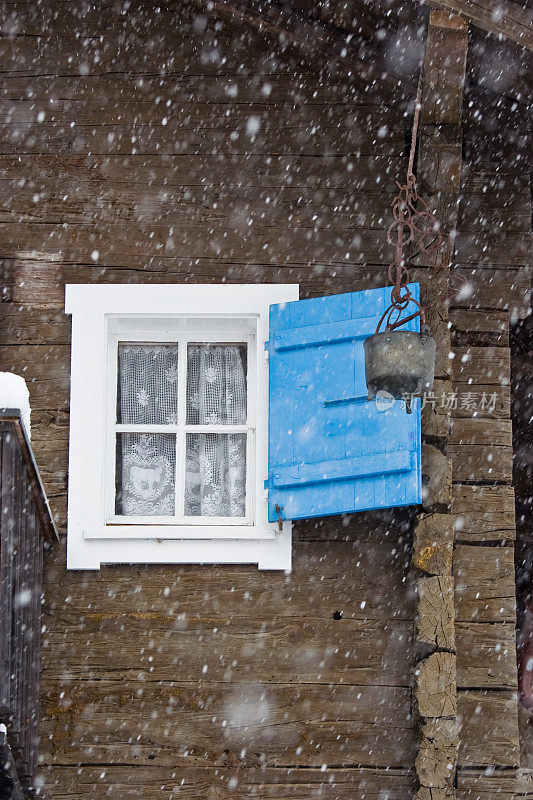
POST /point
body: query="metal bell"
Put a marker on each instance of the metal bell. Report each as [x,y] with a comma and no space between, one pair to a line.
[401,363]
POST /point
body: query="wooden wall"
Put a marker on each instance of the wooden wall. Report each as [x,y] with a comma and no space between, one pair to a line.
[201,682]
[164,145]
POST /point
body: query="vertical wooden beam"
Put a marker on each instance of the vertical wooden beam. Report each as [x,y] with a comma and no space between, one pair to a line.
[439,160]
[439,175]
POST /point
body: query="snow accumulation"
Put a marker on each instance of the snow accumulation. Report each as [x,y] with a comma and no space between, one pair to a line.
[14,394]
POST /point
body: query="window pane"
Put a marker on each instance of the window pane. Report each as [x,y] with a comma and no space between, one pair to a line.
[147,383]
[216,384]
[145,474]
[215,475]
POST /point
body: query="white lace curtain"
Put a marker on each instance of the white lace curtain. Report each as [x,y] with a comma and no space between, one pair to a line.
[215,463]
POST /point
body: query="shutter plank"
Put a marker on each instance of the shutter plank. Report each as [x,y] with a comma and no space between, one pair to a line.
[343,468]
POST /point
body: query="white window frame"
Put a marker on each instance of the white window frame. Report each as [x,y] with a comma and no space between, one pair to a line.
[104,314]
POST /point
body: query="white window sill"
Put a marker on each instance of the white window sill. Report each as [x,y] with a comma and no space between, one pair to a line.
[179,532]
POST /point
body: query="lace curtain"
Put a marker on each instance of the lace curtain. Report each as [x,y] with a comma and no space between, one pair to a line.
[215,463]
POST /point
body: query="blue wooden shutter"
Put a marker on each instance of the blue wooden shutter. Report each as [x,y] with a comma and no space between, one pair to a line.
[332,451]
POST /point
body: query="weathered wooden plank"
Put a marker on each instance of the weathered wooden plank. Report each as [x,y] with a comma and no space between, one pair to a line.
[501,17]
[479,401]
[50,447]
[503,247]
[465,401]
[35,642]
[491,185]
[493,214]
[206,136]
[374,527]
[480,179]
[327,577]
[287,650]
[506,288]
[139,244]
[7,444]
[46,287]
[49,274]
[281,88]
[481,463]
[489,733]
[485,784]
[481,431]
[484,584]
[483,513]
[230,782]
[225,115]
[33,326]
[487,365]
[185,178]
[17,630]
[231,52]
[445,67]
[202,724]
[486,655]
[46,370]
[61,197]
[473,327]
[235,31]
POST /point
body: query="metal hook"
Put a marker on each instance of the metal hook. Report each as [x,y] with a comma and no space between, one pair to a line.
[279,509]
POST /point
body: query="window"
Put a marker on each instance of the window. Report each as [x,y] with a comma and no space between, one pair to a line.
[182,423]
[169,428]
[203,417]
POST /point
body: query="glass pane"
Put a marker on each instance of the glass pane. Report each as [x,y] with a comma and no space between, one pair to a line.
[215,475]
[145,474]
[147,383]
[216,384]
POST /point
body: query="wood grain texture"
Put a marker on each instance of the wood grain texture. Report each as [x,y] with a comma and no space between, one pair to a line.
[163,646]
[489,734]
[486,655]
[435,614]
[483,513]
[228,782]
[201,724]
[482,784]
[328,576]
[436,758]
[481,463]
[473,327]
[484,584]
[486,365]
[481,431]
[505,287]
[507,18]
[435,691]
